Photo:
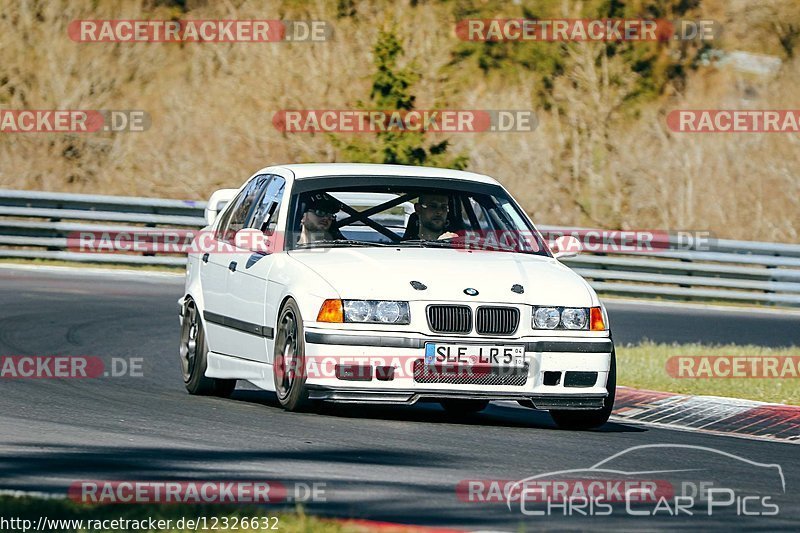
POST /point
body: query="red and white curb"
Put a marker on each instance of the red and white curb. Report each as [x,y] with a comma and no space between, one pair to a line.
[711,414]
[390,527]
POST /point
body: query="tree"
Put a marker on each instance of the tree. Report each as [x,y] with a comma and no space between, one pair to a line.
[391,90]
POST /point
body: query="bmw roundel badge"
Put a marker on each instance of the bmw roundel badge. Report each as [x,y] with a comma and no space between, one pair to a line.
[470,292]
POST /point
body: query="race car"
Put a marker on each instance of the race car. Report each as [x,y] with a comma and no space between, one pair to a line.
[391,284]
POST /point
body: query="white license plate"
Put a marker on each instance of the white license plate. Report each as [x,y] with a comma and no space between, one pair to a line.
[474,355]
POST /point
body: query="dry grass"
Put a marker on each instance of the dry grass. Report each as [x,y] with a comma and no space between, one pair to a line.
[595,163]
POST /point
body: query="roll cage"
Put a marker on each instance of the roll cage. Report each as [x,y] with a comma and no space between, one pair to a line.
[465,199]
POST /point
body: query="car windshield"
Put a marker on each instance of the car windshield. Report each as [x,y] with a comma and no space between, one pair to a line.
[436,215]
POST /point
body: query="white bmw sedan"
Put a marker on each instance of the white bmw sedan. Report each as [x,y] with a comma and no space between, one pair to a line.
[391,284]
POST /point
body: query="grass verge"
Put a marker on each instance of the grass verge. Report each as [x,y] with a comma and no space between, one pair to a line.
[644,366]
[107,266]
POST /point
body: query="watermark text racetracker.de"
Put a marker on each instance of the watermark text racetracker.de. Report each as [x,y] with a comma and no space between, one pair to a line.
[172,241]
[734,120]
[68,367]
[734,366]
[578,240]
[203,492]
[592,30]
[199,31]
[403,120]
[73,120]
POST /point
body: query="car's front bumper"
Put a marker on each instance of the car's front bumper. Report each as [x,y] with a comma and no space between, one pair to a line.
[547,382]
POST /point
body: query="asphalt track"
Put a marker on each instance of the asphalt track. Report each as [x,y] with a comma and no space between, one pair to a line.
[399,464]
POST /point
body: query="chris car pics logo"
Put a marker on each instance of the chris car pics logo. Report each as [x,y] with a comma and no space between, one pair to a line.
[644,481]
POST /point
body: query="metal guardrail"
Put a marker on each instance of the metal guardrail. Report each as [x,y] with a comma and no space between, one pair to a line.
[36,225]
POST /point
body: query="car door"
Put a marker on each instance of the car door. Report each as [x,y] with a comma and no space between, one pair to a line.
[215,271]
[247,278]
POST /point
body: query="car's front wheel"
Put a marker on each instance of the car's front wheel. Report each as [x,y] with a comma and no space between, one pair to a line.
[194,358]
[566,419]
[464,407]
[289,359]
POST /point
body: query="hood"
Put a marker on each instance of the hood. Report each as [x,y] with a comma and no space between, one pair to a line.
[387,273]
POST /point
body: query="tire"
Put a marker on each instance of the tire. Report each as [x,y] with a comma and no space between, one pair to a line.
[567,419]
[464,407]
[193,354]
[289,356]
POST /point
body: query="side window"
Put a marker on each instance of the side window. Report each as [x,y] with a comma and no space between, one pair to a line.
[475,215]
[235,218]
[223,222]
[265,216]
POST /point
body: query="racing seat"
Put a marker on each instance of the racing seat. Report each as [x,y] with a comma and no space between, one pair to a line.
[412,228]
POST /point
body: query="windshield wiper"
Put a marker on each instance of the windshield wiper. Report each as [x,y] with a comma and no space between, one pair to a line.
[340,242]
[426,243]
[446,243]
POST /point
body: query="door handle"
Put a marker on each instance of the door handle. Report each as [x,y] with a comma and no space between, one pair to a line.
[205,257]
[232,266]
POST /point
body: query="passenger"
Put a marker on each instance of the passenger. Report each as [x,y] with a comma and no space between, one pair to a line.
[318,218]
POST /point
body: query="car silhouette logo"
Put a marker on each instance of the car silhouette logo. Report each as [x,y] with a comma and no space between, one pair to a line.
[470,292]
[611,466]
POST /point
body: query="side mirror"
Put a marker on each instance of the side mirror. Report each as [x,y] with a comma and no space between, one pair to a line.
[217,203]
[252,240]
[566,246]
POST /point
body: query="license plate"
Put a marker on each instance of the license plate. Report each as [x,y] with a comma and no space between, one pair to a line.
[474,355]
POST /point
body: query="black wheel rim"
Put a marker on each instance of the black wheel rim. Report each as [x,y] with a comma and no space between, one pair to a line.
[286,362]
[188,349]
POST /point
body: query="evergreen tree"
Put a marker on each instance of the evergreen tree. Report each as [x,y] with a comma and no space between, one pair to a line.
[391,90]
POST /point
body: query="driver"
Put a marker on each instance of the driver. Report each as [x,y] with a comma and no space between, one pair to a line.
[318,218]
[431,210]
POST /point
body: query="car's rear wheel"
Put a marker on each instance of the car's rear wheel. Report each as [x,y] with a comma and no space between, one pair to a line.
[194,358]
[464,407]
[289,359]
[566,419]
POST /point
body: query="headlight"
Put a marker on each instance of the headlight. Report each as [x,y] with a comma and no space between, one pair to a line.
[388,312]
[357,311]
[376,311]
[573,318]
[546,318]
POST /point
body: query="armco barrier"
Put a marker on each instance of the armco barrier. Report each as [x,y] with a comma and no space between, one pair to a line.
[35,225]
